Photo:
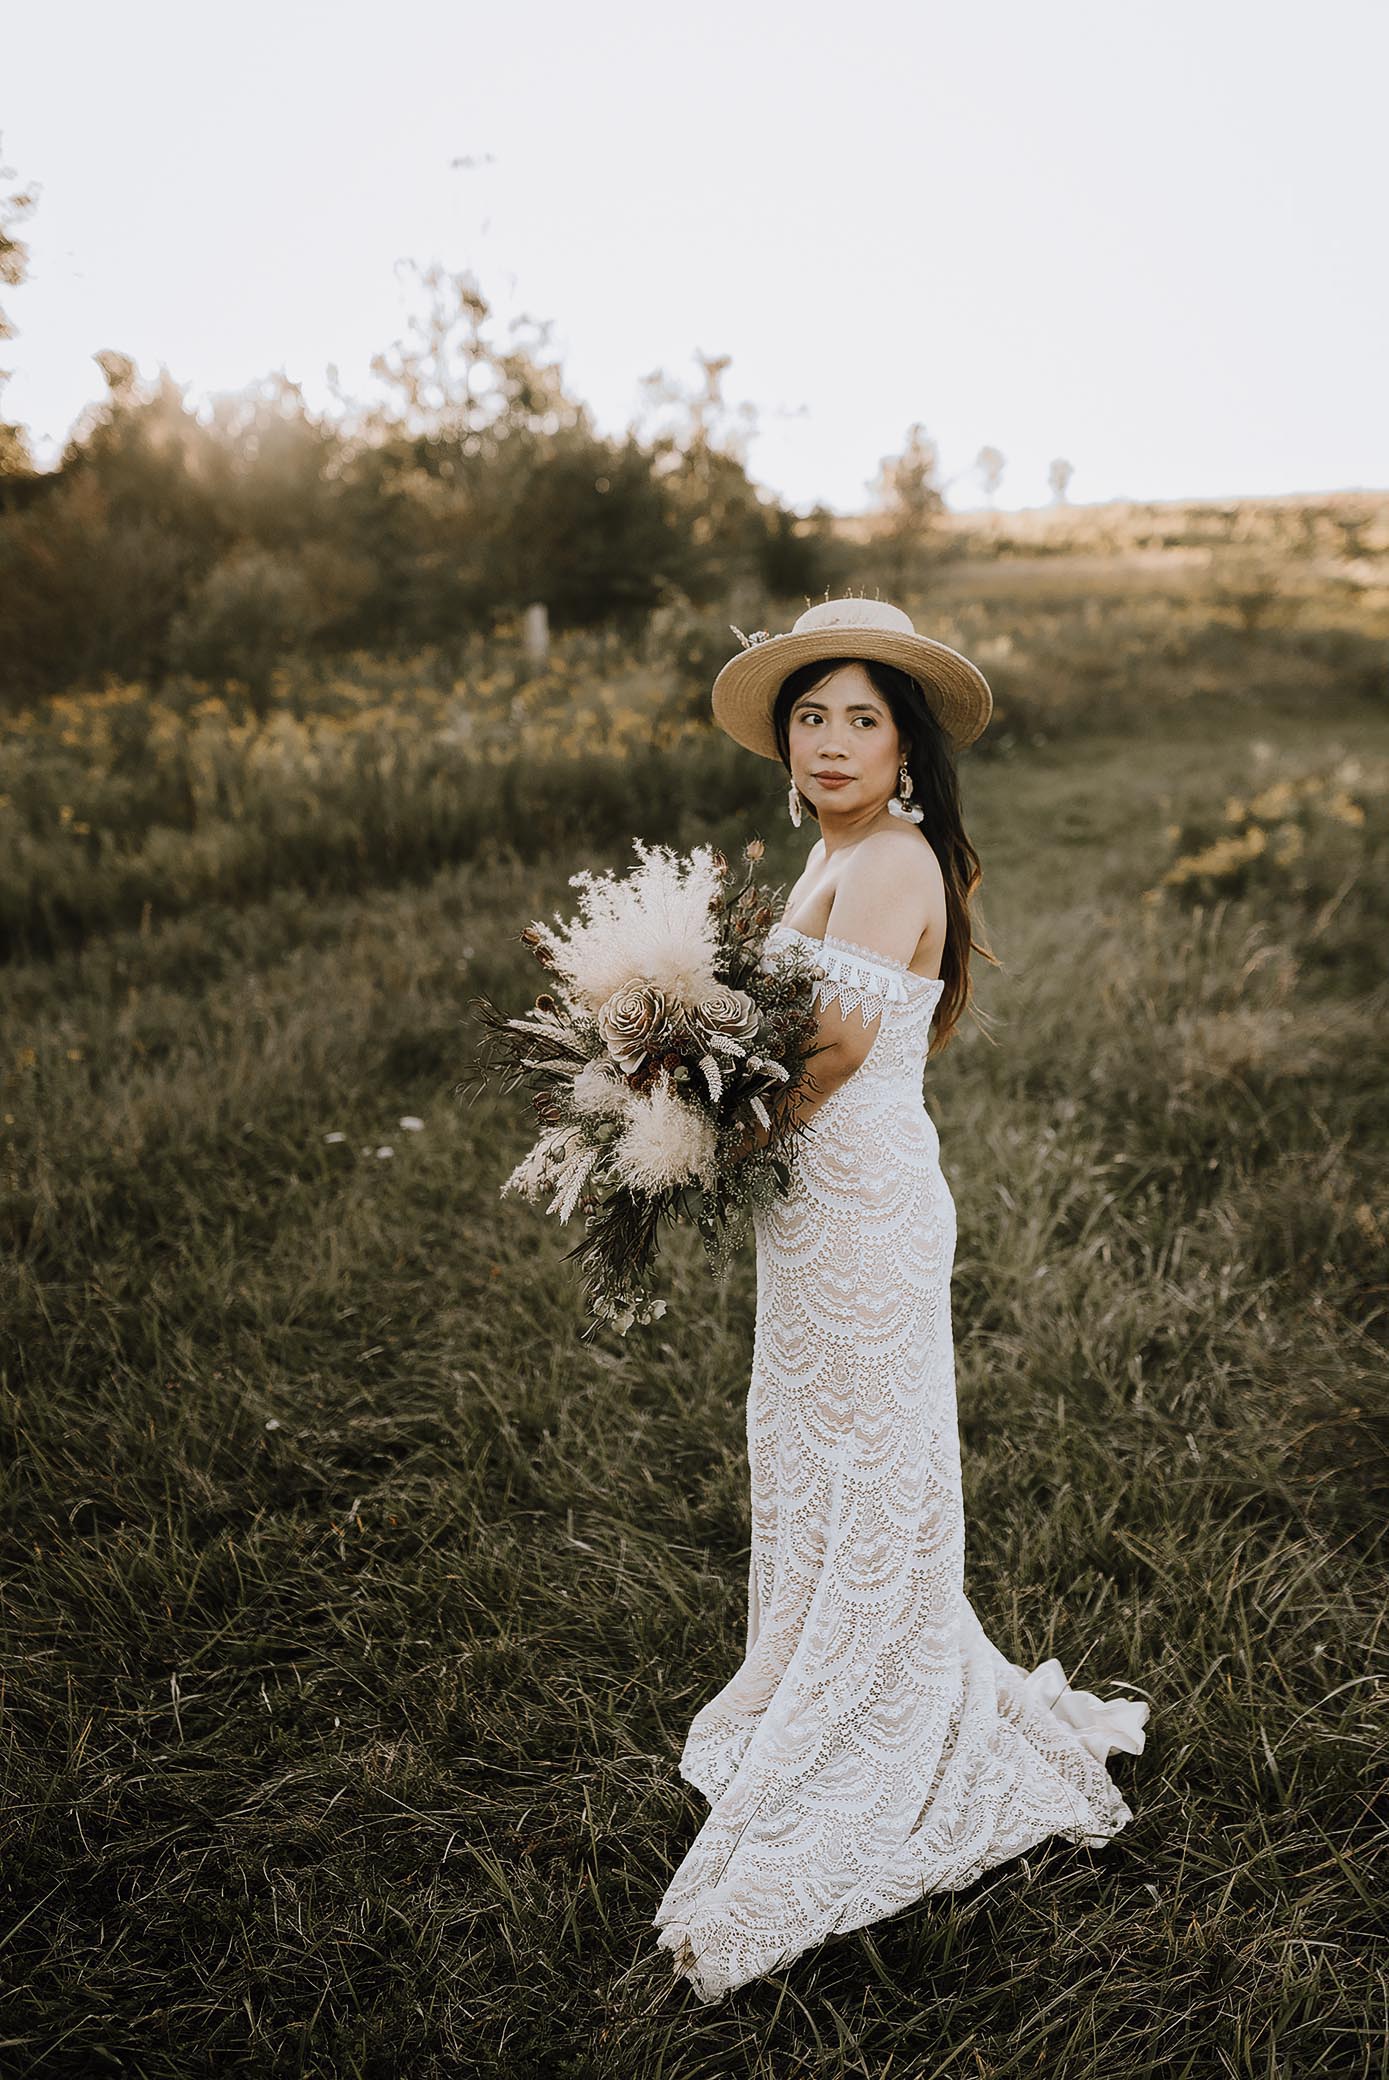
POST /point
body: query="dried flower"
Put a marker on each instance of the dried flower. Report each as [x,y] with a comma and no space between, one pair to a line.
[665,1142]
[536,1170]
[628,1020]
[728,1011]
[599,1092]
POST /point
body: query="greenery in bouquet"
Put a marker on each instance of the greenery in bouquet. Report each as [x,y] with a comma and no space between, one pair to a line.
[656,1058]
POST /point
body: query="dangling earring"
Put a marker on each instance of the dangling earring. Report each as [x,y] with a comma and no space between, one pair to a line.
[898,806]
[793,805]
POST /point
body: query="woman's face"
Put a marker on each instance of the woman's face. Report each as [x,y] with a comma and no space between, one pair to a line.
[844,727]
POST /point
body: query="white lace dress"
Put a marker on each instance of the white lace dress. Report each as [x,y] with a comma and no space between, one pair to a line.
[874,1745]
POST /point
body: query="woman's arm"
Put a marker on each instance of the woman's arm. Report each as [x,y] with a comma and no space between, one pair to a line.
[888,895]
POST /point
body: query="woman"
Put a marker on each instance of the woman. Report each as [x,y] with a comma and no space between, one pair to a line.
[874,1745]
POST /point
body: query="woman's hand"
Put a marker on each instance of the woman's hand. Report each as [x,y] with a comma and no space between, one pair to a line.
[800,1101]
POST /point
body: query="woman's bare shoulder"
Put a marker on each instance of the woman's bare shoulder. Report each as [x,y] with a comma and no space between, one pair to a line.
[885,856]
[892,894]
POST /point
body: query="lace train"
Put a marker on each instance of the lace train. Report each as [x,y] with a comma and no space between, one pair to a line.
[874,1745]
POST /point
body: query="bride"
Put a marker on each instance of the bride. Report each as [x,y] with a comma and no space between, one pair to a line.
[874,1745]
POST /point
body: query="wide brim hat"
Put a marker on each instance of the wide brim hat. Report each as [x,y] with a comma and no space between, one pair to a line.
[745,690]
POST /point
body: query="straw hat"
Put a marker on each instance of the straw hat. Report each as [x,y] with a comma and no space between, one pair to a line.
[746,689]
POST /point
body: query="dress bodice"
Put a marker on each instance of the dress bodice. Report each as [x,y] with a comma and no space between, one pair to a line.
[877,987]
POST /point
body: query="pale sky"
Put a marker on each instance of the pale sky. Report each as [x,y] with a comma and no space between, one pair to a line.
[1146,237]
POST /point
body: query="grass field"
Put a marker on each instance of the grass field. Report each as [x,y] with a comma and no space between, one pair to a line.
[354,1611]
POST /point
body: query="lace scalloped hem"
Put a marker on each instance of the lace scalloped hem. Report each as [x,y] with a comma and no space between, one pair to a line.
[675,1937]
[1103,1726]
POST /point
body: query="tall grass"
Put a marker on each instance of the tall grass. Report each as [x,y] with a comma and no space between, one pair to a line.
[117,808]
[354,1609]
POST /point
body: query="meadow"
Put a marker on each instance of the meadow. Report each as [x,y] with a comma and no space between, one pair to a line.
[354,1609]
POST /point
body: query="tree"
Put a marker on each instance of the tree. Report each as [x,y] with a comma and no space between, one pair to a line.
[220,541]
[1059,476]
[271,463]
[464,394]
[989,463]
[907,505]
[257,607]
[698,445]
[16,456]
[106,547]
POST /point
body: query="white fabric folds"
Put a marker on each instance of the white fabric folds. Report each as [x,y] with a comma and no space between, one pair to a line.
[1106,1725]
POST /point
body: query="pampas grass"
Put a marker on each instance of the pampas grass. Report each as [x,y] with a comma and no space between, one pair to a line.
[656,922]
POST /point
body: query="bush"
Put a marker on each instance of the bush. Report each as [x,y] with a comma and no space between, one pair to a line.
[1314,842]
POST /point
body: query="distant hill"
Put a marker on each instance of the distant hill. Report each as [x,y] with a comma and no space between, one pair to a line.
[1336,523]
[1340,538]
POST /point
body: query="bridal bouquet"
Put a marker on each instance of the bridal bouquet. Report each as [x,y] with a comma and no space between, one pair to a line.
[658,1042]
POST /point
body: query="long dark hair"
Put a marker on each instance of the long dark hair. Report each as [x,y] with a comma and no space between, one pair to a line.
[936,787]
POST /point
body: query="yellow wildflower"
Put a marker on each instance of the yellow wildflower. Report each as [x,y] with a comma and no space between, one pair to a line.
[1275,801]
[1345,808]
